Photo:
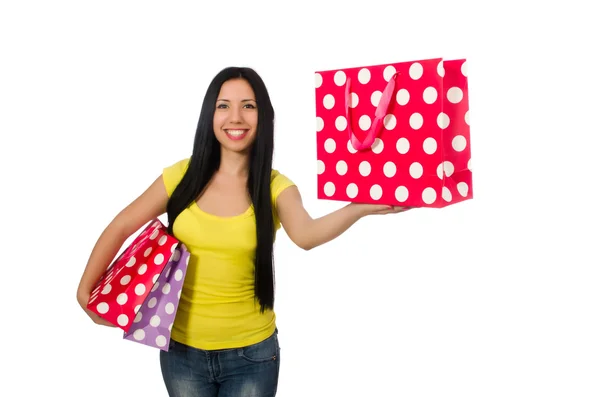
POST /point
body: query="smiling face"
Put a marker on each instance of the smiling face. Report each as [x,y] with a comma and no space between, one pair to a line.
[236,116]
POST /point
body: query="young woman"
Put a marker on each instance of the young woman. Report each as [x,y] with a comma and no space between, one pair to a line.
[225,203]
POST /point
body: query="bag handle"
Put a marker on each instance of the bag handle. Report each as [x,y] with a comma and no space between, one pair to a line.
[380,113]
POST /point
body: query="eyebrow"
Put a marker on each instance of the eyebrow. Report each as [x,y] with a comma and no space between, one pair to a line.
[243,100]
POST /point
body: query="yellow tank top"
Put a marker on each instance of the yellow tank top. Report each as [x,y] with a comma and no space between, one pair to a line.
[217,308]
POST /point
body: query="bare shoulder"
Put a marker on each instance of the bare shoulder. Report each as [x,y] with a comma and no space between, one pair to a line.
[148,205]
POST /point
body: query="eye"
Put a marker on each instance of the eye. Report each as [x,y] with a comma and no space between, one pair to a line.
[249,106]
[221,106]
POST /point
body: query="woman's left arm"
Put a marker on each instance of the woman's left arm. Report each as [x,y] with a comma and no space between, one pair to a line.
[308,233]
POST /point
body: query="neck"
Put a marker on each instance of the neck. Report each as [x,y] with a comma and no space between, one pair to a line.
[234,164]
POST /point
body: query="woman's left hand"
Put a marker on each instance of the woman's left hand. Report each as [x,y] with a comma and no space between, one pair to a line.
[379,209]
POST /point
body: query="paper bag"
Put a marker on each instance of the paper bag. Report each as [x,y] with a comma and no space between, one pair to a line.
[395,134]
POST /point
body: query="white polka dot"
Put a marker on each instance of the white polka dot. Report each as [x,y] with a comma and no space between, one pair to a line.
[415,71]
[416,121]
[339,78]
[154,235]
[376,192]
[446,168]
[377,146]
[130,262]
[123,320]
[161,341]
[187,261]
[464,69]
[364,168]
[122,298]
[169,308]
[454,95]
[142,269]
[162,240]
[351,148]
[318,80]
[155,321]
[353,100]
[469,165]
[463,188]
[168,272]
[152,302]
[429,145]
[159,259]
[166,288]
[329,189]
[428,195]
[320,167]
[443,120]
[467,120]
[416,170]
[352,190]
[375,98]
[330,145]
[125,280]
[364,122]
[140,289]
[178,275]
[106,290]
[446,194]
[147,252]
[155,286]
[176,256]
[341,123]
[402,145]
[459,143]
[402,97]
[179,294]
[364,76]
[137,308]
[320,124]
[430,95]
[102,308]
[389,169]
[440,69]
[389,122]
[341,167]
[401,194]
[138,317]
[173,248]
[328,101]
[388,72]
[171,327]
[139,334]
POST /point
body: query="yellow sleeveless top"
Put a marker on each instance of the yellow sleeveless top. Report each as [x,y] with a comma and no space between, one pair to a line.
[217,308]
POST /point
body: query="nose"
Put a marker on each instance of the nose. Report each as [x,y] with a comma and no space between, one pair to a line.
[235,116]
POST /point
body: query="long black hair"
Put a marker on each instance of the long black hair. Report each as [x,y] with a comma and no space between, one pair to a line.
[205,160]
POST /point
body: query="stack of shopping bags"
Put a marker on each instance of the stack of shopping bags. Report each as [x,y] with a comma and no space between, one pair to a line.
[140,291]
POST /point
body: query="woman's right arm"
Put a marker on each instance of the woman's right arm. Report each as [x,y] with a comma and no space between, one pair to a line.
[149,205]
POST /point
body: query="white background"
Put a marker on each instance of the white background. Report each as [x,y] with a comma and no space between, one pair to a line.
[497,296]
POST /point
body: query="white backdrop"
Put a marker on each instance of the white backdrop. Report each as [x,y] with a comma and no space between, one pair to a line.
[497,296]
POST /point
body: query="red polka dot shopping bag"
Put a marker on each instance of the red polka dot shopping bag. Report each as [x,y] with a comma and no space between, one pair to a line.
[395,134]
[140,291]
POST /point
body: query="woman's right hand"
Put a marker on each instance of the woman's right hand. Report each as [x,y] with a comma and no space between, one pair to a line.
[83,300]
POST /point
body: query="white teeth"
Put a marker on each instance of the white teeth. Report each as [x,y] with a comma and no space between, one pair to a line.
[235,132]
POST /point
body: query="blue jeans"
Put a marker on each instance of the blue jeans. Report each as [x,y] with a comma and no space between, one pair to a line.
[251,371]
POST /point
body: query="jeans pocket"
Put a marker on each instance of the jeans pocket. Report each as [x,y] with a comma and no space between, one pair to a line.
[267,350]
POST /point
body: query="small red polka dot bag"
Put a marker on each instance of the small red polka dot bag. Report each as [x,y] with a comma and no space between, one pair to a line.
[395,134]
[141,289]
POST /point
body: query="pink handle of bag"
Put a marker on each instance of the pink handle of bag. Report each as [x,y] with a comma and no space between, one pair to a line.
[380,113]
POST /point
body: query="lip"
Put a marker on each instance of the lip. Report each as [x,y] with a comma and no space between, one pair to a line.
[236,137]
